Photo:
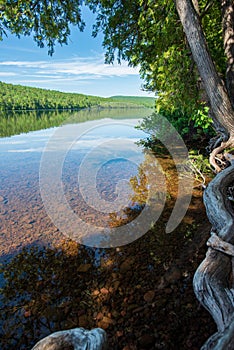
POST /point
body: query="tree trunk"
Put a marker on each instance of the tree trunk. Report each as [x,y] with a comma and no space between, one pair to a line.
[213,84]
[228,38]
[213,281]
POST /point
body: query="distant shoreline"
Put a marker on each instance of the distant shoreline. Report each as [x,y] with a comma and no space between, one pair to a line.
[25,98]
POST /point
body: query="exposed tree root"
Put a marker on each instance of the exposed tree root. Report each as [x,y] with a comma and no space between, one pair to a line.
[218,244]
[218,150]
[74,339]
[221,340]
[214,279]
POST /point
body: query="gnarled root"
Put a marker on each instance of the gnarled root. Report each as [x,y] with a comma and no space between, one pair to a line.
[221,340]
[216,151]
[218,244]
[213,280]
[74,339]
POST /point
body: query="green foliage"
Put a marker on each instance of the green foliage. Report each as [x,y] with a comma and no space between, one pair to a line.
[17,97]
[149,34]
[198,165]
[202,120]
[212,25]
[48,21]
[201,162]
[148,102]
[179,119]
[195,128]
[145,33]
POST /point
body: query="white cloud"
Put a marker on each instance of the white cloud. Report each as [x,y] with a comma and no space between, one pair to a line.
[87,75]
[7,74]
[75,67]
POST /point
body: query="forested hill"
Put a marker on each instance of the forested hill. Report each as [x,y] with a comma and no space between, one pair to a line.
[17,97]
[137,100]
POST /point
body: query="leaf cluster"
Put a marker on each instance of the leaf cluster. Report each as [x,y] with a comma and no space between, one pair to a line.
[149,34]
[195,130]
[48,21]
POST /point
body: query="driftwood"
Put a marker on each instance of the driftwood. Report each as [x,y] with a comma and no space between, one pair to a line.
[214,278]
[74,339]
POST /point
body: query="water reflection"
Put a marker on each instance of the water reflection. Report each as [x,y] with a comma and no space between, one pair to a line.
[12,123]
[23,219]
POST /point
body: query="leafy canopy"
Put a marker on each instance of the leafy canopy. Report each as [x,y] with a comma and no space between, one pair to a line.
[144,32]
[148,33]
[47,20]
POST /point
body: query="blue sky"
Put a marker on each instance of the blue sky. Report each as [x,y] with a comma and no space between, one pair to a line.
[76,67]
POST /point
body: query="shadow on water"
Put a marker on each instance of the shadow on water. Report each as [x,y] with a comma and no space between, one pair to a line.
[141,293]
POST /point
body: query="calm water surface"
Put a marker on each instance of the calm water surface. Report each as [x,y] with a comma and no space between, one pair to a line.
[23,219]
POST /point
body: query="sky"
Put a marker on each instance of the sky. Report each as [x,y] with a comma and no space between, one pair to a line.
[76,67]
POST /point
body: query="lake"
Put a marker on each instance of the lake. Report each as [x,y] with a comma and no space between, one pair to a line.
[92,159]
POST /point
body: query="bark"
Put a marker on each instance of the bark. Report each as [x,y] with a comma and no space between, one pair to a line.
[213,84]
[74,339]
[196,6]
[213,280]
[227,7]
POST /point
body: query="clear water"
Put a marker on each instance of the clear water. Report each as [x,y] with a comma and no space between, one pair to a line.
[107,149]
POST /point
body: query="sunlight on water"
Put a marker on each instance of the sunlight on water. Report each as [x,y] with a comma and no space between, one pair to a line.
[23,219]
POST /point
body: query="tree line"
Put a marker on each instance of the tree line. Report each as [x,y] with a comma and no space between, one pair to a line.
[17,97]
[20,98]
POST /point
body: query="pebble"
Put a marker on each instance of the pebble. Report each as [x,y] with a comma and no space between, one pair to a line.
[104,291]
[84,268]
[126,265]
[167,290]
[149,296]
[116,285]
[146,341]
[95,292]
[83,321]
[173,275]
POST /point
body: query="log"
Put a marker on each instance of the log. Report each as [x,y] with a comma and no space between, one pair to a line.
[214,279]
[74,339]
